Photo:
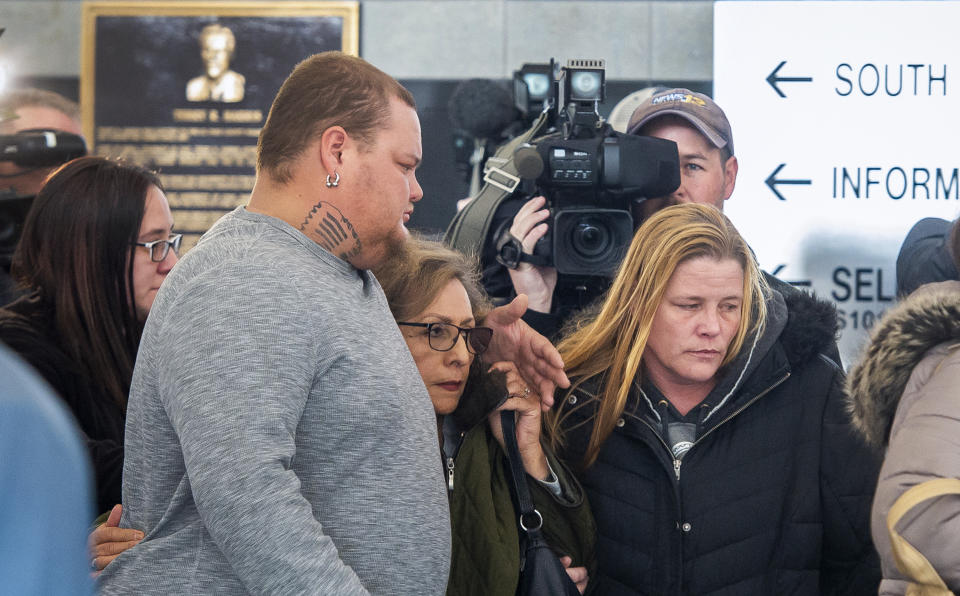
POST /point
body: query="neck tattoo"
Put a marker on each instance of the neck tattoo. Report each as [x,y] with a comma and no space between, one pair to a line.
[327,226]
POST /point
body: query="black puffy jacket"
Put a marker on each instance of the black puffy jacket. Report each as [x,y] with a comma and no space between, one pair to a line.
[772,499]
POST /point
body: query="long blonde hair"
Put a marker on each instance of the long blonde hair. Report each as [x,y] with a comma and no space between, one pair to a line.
[609,345]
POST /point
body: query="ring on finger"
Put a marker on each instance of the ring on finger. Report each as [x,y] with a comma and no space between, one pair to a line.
[526,392]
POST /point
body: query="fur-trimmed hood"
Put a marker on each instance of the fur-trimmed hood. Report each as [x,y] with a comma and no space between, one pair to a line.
[811,328]
[926,319]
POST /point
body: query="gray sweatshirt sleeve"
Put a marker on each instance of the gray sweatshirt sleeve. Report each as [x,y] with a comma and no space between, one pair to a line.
[238,367]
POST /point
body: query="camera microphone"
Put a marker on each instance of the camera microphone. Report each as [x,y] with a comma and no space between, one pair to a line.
[528,162]
[41,148]
[482,108]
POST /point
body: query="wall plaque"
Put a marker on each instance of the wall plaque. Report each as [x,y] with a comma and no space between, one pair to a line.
[184,88]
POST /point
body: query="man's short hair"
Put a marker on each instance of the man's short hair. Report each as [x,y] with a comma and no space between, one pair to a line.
[13,100]
[327,89]
[215,29]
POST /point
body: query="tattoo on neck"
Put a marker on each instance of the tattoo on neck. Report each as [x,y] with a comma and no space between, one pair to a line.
[327,226]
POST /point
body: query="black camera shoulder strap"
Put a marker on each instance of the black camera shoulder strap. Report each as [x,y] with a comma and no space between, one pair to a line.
[470,227]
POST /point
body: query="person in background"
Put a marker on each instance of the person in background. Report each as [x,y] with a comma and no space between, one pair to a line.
[96,245]
[708,175]
[905,397]
[924,256]
[710,431]
[46,497]
[22,110]
[33,109]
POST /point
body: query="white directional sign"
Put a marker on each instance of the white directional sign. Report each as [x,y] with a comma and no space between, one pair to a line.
[845,120]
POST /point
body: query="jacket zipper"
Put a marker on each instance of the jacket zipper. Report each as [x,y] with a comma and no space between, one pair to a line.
[676,493]
[731,416]
[451,463]
[450,466]
[677,462]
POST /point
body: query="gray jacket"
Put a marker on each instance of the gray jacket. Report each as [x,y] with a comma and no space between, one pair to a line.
[905,396]
[279,438]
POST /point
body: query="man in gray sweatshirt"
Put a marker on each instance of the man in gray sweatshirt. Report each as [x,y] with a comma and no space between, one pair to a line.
[279,438]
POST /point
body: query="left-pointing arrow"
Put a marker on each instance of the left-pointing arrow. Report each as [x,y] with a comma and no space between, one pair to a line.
[804,283]
[773,79]
[772,182]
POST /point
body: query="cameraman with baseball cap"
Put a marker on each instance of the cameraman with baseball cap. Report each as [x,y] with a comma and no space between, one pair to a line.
[708,174]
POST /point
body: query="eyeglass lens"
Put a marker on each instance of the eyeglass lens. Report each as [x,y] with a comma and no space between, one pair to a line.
[158,251]
[444,336]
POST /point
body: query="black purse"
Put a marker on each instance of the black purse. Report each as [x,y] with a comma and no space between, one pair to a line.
[541,573]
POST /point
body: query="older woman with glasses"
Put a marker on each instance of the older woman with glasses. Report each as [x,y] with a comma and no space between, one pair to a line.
[435,296]
[96,245]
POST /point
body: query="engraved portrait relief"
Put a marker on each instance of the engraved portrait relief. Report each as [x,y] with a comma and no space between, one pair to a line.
[219,83]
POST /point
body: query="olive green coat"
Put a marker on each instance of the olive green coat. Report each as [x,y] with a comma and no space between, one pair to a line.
[486,549]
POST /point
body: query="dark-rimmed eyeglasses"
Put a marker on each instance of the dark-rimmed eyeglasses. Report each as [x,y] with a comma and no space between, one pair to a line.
[159,248]
[443,336]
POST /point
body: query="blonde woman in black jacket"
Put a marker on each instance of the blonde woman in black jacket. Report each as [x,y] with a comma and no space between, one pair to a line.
[710,429]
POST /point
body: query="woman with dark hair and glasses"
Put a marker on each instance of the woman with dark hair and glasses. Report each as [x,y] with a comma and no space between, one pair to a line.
[96,245]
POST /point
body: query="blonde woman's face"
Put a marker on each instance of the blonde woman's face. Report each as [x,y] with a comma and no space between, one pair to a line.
[695,323]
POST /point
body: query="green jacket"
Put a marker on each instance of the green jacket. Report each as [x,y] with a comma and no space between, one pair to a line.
[486,544]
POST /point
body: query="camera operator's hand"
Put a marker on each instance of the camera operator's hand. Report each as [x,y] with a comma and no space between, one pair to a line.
[537,283]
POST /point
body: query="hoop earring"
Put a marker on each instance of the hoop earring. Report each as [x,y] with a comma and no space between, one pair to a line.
[335,182]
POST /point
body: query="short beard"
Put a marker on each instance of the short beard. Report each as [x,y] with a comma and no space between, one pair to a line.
[395,245]
[388,249]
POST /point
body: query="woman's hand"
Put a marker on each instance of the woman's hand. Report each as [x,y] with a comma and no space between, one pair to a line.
[525,401]
[108,540]
[578,575]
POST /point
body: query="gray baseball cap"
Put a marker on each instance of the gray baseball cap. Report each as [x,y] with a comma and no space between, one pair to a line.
[696,108]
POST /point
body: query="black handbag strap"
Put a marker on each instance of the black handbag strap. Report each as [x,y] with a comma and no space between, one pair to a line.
[541,573]
[530,518]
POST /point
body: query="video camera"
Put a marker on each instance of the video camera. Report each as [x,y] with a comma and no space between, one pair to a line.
[590,175]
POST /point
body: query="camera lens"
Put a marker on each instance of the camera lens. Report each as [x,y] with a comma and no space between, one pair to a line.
[590,241]
[590,237]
